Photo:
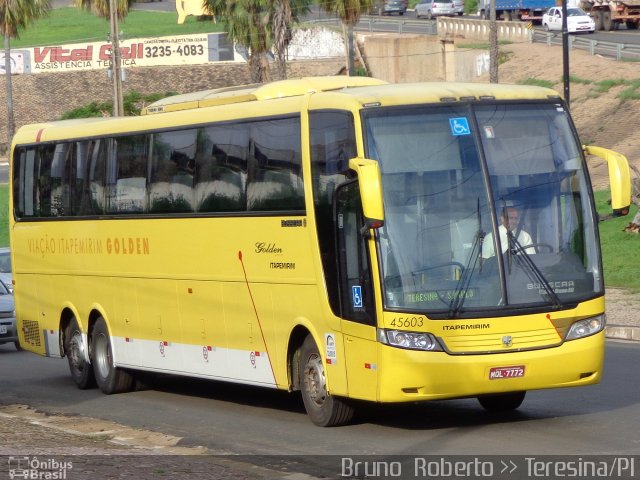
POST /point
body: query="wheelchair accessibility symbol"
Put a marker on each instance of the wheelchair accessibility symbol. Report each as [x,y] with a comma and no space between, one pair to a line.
[459,126]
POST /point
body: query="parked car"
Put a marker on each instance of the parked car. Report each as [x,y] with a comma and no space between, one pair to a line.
[577,20]
[388,7]
[8,329]
[6,276]
[434,8]
[458,7]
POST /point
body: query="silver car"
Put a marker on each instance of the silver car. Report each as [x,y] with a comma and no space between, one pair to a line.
[8,329]
[5,267]
[434,8]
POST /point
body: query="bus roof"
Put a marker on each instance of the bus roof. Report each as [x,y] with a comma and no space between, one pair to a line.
[247,93]
[339,92]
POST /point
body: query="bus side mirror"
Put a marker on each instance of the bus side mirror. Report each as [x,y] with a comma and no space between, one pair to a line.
[619,177]
[370,183]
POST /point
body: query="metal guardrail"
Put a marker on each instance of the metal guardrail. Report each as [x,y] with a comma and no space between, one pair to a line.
[619,51]
[389,25]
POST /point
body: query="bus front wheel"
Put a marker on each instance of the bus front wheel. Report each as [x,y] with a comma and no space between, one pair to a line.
[74,346]
[324,409]
[502,402]
[109,378]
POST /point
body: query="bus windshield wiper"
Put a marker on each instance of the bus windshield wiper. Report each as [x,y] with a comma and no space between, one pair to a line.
[531,269]
[462,287]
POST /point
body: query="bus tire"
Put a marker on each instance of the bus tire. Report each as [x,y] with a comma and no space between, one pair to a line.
[502,402]
[109,378]
[81,370]
[324,409]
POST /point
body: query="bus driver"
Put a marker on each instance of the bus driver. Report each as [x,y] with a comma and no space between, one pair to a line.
[510,220]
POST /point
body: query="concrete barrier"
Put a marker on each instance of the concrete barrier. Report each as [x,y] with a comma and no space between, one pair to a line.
[470,29]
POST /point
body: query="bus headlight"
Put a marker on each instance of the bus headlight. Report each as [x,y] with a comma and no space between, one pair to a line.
[409,340]
[586,327]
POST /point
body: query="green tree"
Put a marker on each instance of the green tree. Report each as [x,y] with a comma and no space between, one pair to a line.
[247,23]
[349,12]
[282,19]
[260,26]
[14,16]
[102,8]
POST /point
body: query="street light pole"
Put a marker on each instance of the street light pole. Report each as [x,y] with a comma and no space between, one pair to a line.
[116,67]
[565,54]
[493,43]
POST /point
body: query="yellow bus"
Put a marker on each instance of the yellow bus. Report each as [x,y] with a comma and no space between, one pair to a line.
[335,236]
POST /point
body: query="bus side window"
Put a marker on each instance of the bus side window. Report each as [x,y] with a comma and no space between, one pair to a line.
[25,186]
[171,172]
[275,166]
[60,188]
[221,168]
[87,180]
[129,191]
[97,174]
[44,181]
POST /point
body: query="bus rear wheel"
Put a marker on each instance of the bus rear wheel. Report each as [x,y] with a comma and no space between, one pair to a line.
[109,378]
[324,409]
[502,402]
[74,347]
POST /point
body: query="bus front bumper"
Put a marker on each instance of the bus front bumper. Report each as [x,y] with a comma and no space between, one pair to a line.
[409,375]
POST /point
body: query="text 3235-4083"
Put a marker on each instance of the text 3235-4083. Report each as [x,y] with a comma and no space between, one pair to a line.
[167,51]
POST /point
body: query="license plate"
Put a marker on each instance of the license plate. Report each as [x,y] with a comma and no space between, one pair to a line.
[3,329]
[497,373]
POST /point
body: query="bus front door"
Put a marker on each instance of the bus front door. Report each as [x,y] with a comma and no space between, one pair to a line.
[356,295]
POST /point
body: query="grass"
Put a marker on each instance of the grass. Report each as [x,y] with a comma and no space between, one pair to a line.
[482,45]
[576,79]
[632,92]
[537,82]
[620,250]
[71,25]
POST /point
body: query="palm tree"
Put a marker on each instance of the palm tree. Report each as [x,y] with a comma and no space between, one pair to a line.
[247,23]
[285,14]
[102,8]
[259,26]
[281,22]
[14,16]
[349,12]
[114,11]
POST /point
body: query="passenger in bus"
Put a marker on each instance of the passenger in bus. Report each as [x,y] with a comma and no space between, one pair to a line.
[510,223]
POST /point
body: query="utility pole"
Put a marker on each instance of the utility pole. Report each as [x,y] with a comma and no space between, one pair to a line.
[116,67]
[565,54]
[493,43]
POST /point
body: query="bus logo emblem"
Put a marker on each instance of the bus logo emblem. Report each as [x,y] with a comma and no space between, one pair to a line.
[356,295]
[507,340]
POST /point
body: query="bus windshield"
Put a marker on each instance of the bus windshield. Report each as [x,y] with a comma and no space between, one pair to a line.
[487,207]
